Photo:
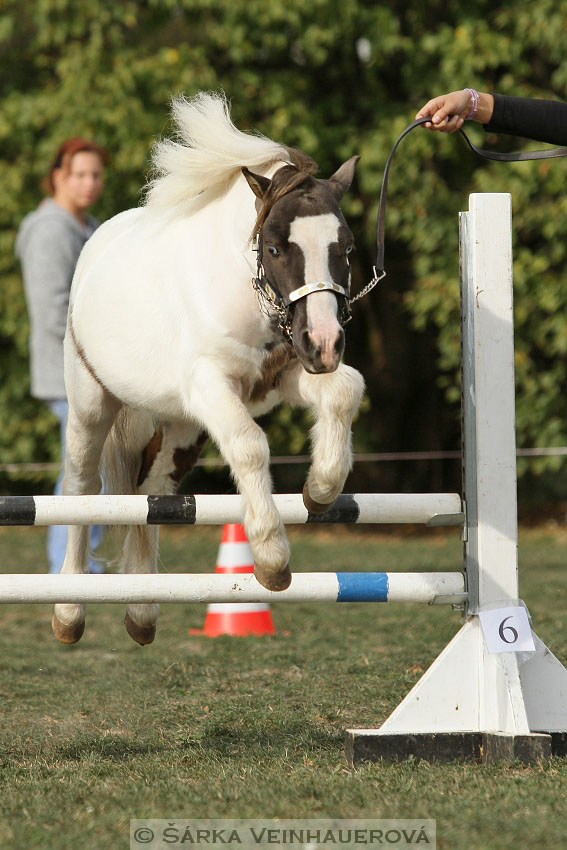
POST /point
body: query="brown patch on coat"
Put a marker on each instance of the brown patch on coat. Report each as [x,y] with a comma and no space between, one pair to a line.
[149,454]
[273,365]
[185,459]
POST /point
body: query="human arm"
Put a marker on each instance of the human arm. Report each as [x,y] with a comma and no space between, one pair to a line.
[532,118]
[449,111]
[529,117]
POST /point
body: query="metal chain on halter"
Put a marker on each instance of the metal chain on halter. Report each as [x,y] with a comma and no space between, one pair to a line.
[377,277]
[268,307]
[266,303]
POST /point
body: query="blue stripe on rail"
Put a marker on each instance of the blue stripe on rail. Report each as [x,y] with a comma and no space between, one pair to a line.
[362,587]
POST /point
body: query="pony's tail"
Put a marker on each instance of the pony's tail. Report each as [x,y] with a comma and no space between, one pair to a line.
[121,461]
[122,453]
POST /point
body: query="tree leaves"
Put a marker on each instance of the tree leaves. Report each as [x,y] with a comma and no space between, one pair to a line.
[334,78]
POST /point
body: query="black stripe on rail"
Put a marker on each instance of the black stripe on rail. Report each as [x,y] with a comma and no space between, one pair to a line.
[17,510]
[171,510]
[345,509]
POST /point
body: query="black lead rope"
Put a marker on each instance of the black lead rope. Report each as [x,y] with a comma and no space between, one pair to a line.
[379,271]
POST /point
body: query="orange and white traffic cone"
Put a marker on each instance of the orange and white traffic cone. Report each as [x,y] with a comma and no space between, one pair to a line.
[236,618]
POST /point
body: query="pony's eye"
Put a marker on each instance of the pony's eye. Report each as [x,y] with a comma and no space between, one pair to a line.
[349,249]
[273,250]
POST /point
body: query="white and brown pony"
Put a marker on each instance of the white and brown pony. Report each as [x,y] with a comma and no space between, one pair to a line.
[178,331]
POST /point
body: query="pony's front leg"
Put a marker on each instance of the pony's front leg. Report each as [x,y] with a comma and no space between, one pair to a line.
[245,447]
[333,399]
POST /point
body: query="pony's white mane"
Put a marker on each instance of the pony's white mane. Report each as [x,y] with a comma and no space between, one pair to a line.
[210,151]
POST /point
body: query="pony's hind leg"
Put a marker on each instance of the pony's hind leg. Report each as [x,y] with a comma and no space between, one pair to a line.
[139,555]
[167,457]
[333,398]
[91,413]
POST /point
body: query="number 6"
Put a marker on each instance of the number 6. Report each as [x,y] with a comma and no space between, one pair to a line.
[502,628]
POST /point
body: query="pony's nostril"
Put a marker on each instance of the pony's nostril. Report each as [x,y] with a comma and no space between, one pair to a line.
[306,342]
[340,342]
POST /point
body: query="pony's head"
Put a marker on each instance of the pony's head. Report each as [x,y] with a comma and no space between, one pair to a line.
[303,247]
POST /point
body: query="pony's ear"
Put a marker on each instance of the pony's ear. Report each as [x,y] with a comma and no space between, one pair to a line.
[257,183]
[342,178]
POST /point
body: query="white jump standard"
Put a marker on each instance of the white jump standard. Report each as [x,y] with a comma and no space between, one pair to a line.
[470,702]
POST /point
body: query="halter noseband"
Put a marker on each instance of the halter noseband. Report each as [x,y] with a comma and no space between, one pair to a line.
[283,304]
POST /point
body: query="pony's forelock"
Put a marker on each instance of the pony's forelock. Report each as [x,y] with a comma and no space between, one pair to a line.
[284,181]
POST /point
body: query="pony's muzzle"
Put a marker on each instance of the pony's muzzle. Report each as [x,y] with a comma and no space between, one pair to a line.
[321,354]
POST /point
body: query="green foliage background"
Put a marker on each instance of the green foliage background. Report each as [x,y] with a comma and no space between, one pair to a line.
[297,71]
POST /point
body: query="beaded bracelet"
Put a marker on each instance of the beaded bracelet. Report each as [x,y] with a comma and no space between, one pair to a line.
[474,104]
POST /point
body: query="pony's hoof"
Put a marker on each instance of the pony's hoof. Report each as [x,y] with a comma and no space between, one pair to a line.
[141,634]
[271,580]
[312,506]
[67,634]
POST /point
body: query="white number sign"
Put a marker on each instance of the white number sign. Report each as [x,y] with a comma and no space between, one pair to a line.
[507,630]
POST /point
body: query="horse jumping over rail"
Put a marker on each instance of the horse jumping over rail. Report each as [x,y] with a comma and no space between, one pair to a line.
[168,342]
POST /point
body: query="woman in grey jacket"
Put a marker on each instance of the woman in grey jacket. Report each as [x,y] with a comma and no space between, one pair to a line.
[48,244]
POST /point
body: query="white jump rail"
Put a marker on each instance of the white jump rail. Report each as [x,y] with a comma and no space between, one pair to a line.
[427,508]
[434,588]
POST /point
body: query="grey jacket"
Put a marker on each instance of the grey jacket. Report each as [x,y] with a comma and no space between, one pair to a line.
[48,244]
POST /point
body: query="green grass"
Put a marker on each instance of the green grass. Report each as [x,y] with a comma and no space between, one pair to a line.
[105,731]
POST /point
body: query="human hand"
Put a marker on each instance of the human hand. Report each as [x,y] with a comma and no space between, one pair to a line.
[447,111]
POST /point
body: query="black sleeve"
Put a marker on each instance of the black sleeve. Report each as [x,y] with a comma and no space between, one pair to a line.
[532,118]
